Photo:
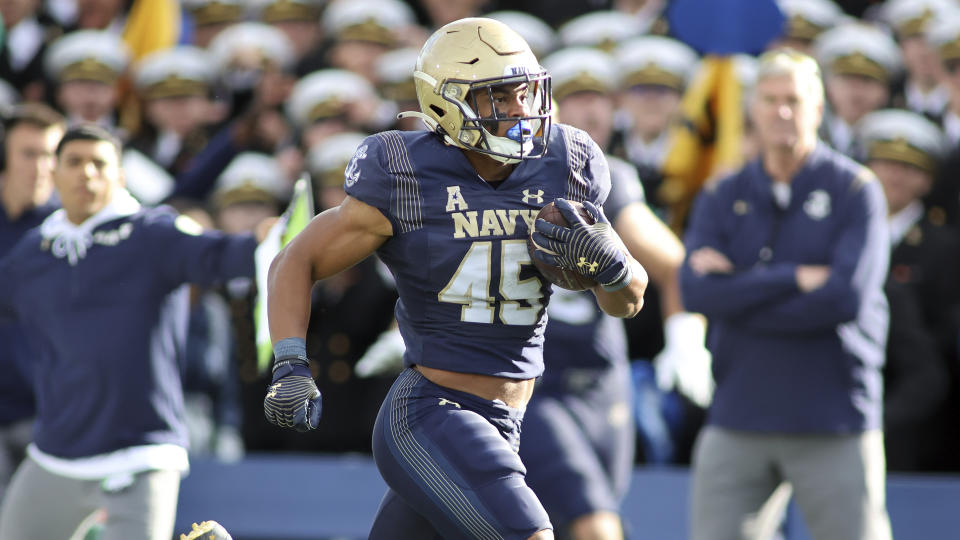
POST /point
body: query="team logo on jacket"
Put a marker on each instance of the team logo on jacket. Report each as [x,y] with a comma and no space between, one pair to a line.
[817,205]
[352,174]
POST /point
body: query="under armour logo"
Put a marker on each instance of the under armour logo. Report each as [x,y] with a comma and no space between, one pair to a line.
[529,196]
[448,402]
[273,390]
[587,267]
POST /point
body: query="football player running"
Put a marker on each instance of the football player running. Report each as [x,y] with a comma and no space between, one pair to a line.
[448,211]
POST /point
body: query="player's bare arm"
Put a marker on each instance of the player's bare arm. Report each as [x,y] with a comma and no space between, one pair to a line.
[625,302]
[333,241]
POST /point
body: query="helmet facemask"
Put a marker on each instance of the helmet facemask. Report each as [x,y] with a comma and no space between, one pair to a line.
[526,135]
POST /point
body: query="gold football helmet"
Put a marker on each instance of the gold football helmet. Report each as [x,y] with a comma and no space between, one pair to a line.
[463,62]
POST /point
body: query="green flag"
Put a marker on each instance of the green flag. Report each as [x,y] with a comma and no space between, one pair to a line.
[293,220]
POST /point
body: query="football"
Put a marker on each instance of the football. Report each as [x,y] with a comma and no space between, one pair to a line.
[560,277]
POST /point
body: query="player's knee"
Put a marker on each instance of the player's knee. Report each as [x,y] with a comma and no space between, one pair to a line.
[597,526]
[545,534]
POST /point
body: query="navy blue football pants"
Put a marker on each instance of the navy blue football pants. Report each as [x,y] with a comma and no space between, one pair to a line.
[451,466]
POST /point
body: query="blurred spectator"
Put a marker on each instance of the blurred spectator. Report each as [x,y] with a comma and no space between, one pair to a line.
[174,87]
[254,58]
[251,189]
[248,192]
[213,412]
[904,150]
[31,133]
[210,17]
[538,34]
[585,85]
[556,14]
[787,259]
[860,63]
[326,163]
[923,90]
[601,29]
[348,312]
[28,34]
[806,19]
[441,12]
[100,15]
[395,83]
[579,433]
[943,202]
[84,66]
[298,19]
[8,97]
[332,101]
[654,72]
[360,31]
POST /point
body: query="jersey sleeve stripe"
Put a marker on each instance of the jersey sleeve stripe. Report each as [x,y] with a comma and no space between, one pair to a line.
[406,198]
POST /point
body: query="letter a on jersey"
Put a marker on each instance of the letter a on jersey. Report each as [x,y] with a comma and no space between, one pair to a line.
[455,200]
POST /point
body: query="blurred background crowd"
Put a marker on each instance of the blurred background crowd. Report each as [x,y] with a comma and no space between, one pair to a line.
[223,104]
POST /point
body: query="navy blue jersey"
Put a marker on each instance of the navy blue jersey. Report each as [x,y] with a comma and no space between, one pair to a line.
[470,298]
[111,329]
[16,399]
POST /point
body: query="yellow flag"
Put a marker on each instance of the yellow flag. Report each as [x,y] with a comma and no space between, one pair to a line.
[708,141]
[152,25]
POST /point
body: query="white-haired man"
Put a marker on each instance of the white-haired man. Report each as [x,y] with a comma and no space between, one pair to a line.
[787,259]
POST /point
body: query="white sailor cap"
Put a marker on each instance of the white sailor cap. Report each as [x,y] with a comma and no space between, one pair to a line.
[910,18]
[806,19]
[376,21]
[327,160]
[858,49]
[251,44]
[88,55]
[944,35]
[324,93]
[541,38]
[180,71]
[251,177]
[394,71]
[206,12]
[273,11]
[903,136]
[581,69]
[601,29]
[655,60]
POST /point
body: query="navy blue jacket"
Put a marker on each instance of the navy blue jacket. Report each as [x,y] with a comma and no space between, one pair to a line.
[16,398]
[111,330]
[787,361]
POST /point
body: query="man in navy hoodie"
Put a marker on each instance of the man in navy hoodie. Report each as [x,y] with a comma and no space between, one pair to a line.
[100,284]
[787,259]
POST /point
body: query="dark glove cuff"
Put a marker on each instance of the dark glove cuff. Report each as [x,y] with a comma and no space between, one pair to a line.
[291,366]
[291,356]
[621,281]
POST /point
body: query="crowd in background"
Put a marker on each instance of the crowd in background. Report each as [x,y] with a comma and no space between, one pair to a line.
[255,93]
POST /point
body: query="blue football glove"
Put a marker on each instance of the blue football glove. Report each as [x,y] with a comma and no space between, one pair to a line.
[293,400]
[595,251]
